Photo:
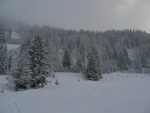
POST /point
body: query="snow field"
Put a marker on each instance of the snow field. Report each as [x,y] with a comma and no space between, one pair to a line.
[115,93]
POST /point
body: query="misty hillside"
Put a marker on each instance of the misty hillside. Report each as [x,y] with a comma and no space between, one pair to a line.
[74,56]
[117,50]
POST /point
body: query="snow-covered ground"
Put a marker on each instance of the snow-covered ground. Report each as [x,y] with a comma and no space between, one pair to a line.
[115,93]
[15,35]
[12,47]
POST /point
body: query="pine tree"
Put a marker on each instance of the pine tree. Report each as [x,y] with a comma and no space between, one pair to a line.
[21,74]
[38,63]
[97,59]
[78,64]
[93,69]
[51,55]
[66,60]
[123,60]
[3,52]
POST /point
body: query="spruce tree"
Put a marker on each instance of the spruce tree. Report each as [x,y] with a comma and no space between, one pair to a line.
[38,63]
[97,60]
[93,67]
[66,60]
[123,60]
[3,52]
[78,64]
[21,74]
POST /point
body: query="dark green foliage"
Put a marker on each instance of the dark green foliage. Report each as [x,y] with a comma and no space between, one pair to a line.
[110,46]
[93,67]
[31,70]
[3,52]
[66,60]
[117,49]
[123,60]
[38,63]
[79,65]
[3,60]
[21,74]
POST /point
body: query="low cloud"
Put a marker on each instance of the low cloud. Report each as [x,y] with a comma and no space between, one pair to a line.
[80,14]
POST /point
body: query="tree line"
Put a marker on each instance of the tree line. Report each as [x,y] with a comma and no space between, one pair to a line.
[45,50]
[117,50]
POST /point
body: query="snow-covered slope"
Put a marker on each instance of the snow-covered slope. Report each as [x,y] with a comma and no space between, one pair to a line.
[12,47]
[15,35]
[115,93]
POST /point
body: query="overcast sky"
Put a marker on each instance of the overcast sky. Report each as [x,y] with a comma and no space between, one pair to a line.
[80,14]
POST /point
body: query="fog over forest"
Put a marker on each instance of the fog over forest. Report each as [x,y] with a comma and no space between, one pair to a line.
[74,56]
[80,14]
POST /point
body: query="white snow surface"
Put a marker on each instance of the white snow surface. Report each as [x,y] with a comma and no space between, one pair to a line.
[15,35]
[115,93]
[12,47]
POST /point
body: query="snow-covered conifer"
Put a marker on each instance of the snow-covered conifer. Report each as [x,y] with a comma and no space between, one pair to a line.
[3,52]
[38,63]
[93,67]
[66,60]
[21,74]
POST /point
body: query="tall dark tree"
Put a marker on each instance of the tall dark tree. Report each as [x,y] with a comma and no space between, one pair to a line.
[93,67]
[3,52]
[38,63]
[79,64]
[97,59]
[66,60]
[21,74]
[123,60]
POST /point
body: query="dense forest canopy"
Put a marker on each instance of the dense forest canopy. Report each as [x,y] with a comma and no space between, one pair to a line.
[44,50]
[118,50]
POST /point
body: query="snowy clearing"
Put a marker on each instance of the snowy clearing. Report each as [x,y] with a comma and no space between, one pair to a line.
[115,93]
[12,47]
[15,35]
